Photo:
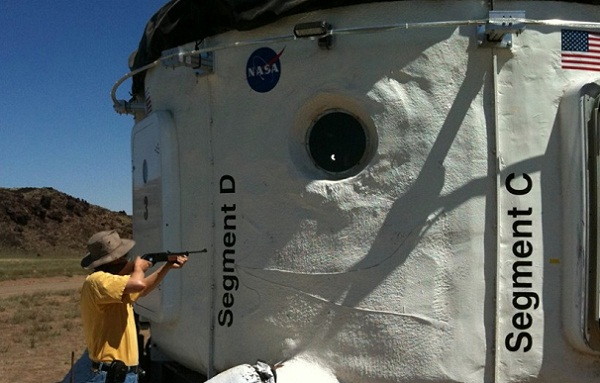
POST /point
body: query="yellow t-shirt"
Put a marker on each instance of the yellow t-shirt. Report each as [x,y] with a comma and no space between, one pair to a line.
[108,321]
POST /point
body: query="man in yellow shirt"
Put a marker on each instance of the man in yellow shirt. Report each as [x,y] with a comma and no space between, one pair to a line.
[107,298]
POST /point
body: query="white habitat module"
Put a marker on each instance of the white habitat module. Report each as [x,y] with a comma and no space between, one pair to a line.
[389,192]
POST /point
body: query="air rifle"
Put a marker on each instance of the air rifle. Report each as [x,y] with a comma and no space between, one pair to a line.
[168,256]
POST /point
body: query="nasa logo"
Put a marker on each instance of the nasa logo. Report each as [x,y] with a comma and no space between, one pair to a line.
[263,69]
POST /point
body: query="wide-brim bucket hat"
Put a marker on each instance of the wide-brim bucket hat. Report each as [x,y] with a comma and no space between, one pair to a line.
[104,247]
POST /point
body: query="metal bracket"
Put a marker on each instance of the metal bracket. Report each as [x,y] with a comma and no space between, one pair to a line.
[128,107]
[202,63]
[320,30]
[499,29]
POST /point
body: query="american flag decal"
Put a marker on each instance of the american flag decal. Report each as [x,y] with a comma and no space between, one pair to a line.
[580,50]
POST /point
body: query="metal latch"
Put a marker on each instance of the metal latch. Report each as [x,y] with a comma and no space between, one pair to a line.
[499,29]
[202,63]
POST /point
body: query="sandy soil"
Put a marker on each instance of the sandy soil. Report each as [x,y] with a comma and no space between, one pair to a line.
[46,356]
[39,348]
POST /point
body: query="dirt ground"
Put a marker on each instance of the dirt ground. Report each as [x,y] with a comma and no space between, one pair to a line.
[40,328]
[32,285]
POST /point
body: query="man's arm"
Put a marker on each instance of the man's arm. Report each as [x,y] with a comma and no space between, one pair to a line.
[136,283]
[156,277]
[139,283]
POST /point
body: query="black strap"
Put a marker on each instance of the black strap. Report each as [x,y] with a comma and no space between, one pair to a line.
[105,366]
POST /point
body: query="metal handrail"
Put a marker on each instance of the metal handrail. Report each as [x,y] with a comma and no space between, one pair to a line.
[121,104]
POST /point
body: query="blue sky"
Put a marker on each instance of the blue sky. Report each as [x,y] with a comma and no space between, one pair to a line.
[58,62]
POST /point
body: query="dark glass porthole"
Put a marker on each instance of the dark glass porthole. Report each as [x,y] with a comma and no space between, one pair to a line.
[337,142]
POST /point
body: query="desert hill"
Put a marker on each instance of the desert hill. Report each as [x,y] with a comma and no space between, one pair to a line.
[47,222]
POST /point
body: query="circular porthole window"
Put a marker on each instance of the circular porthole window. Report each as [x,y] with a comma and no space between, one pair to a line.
[337,143]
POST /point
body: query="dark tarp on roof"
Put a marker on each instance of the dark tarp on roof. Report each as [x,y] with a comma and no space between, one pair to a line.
[182,21]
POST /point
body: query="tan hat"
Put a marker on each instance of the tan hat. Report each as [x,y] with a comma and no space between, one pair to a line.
[104,247]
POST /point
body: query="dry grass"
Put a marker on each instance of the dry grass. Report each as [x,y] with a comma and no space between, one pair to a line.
[38,332]
[15,268]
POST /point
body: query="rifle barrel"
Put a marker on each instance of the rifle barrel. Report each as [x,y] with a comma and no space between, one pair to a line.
[196,251]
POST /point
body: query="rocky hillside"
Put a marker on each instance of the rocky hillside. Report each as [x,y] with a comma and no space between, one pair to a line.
[46,222]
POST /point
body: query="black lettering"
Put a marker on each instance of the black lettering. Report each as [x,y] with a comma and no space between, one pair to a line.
[226,318]
[528,300]
[227,300]
[227,209]
[522,249]
[521,274]
[517,225]
[226,222]
[226,261]
[514,212]
[520,337]
[515,191]
[229,239]
[227,184]
[522,269]
[522,321]
[230,282]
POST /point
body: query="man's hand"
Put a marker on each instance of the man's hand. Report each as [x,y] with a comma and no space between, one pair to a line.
[141,264]
[176,261]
